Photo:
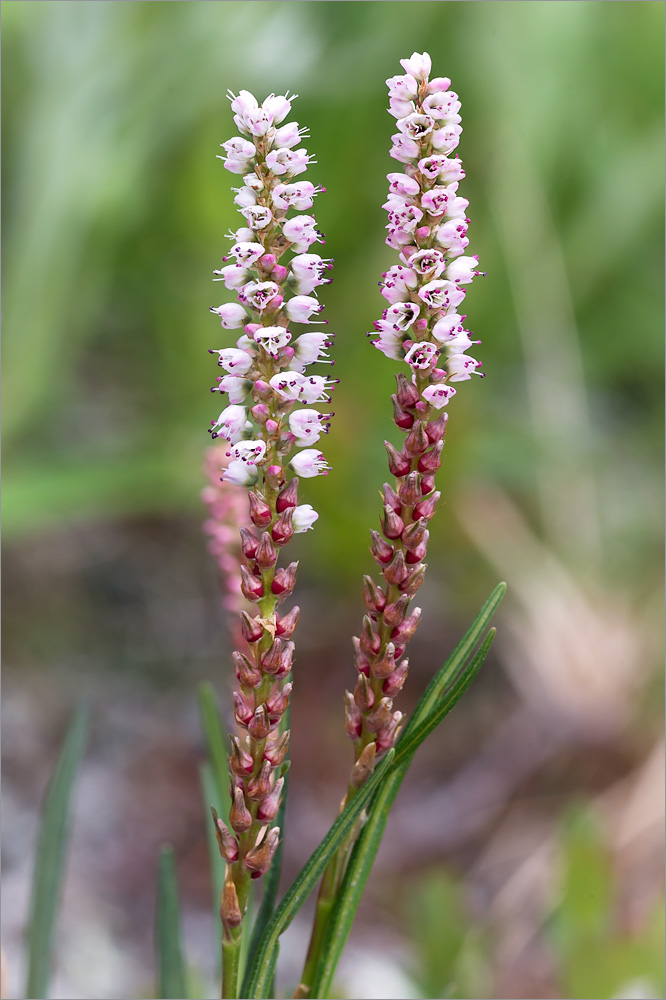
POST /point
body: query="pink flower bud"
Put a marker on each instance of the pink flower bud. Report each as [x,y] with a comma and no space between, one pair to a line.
[380,716]
[257,861]
[374,596]
[418,553]
[260,512]
[394,682]
[370,641]
[396,571]
[259,726]
[251,587]
[364,766]
[278,702]
[385,665]
[276,751]
[286,625]
[268,807]
[426,508]
[260,784]
[225,839]
[413,580]
[399,465]
[284,580]
[361,661]
[239,814]
[353,717]
[437,428]
[363,695]
[266,555]
[242,709]
[248,543]
[248,674]
[251,628]
[240,761]
[407,394]
[283,529]
[381,550]
[230,912]
[416,441]
[410,489]
[394,613]
[391,499]
[406,629]
[392,524]
[401,417]
[431,460]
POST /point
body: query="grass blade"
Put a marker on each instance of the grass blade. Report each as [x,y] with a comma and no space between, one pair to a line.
[272,877]
[432,708]
[260,973]
[50,860]
[170,961]
[210,797]
[216,746]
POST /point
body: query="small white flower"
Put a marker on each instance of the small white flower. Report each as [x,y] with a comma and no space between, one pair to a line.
[404,148]
[238,148]
[299,196]
[287,136]
[415,125]
[260,293]
[304,517]
[301,232]
[272,338]
[404,88]
[247,253]
[234,361]
[438,395]
[443,105]
[254,182]
[232,275]
[230,423]
[258,216]
[389,342]
[402,185]
[447,138]
[235,386]
[300,308]
[250,452]
[245,197]
[398,281]
[428,262]
[277,107]
[232,315]
[306,426]
[448,328]
[309,463]
[240,474]
[313,388]
[422,355]
[441,294]
[452,236]
[308,348]
[462,270]
[418,65]
[287,161]
[460,367]
[287,384]
[399,108]
[402,315]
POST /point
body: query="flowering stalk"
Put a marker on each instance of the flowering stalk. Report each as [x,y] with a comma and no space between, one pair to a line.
[265,382]
[421,327]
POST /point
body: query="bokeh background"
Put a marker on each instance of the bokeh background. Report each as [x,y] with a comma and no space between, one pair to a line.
[523,858]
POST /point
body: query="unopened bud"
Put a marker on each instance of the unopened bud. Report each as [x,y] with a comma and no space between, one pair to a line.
[381,550]
[277,659]
[380,716]
[242,710]
[407,394]
[401,417]
[374,596]
[436,429]
[364,766]
[353,717]
[399,464]
[431,460]
[251,628]
[385,665]
[259,858]
[392,524]
[396,571]
[229,909]
[416,441]
[409,490]
[394,613]
[276,751]
[248,543]
[261,413]
[427,483]
[251,587]
[266,552]
[288,497]
[240,761]
[248,674]
[284,580]
[260,512]
[361,662]
[225,839]
[393,683]
[278,702]
[259,726]
[414,533]
[239,814]
[426,508]
[406,629]
[413,580]
[363,694]
[283,529]
[370,641]
[286,625]
[419,553]
[386,737]
[268,807]
[260,784]
[391,499]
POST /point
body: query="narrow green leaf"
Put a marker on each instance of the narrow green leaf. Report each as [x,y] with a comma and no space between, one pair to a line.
[216,746]
[50,859]
[366,847]
[262,966]
[271,879]
[210,796]
[170,961]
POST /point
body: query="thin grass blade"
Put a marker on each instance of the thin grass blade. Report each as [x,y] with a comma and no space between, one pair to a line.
[210,797]
[171,980]
[50,860]
[260,973]
[216,746]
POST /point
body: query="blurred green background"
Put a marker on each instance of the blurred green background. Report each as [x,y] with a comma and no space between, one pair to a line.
[115,213]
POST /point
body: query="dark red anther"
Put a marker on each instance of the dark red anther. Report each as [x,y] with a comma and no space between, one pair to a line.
[392,523]
[396,571]
[394,682]
[251,628]
[414,533]
[417,554]
[431,461]
[416,441]
[285,580]
[276,751]
[266,555]
[373,596]
[395,613]
[240,761]
[370,641]
[381,550]
[426,508]
[259,726]
[248,674]
[242,709]
[401,417]
[260,784]
[413,580]
[409,490]
[407,394]
[251,587]
[399,464]
[391,499]
[286,625]
[248,543]
[260,512]
[437,428]
[288,497]
[363,694]
[404,632]
[283,529]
